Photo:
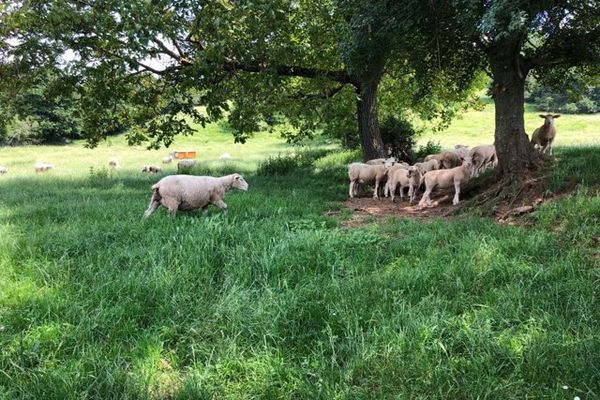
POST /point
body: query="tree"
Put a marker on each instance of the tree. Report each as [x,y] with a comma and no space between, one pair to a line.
[522,36]
[253,60]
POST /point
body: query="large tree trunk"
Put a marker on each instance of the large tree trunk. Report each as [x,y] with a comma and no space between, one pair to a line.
[515,153]
[366,108]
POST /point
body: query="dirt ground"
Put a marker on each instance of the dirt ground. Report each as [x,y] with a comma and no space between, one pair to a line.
[475,200]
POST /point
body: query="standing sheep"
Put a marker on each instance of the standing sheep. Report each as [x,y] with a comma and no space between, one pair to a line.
[483,157]
[187,192]
[42,167]
[366,173]
[543,137]
[410,178]
[3,170]
[185,164]
[445,178]
[114,163]
[167,160]
[151,169]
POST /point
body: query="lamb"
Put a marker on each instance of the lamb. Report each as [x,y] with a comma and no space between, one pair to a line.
[410,178]
[3,170]
[42,167]
[543,137]
[445,178]
[114,163]
[167,160]
[184,164]
[379,161]
[391,170]
[427,166]
[367,173]
[483,157]
[187,192]
[151,169]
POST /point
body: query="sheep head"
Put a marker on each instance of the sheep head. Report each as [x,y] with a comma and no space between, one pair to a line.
[549,118]
[239,182]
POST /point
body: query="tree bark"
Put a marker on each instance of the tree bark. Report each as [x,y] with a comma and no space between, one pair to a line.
[368,123]
[515,153]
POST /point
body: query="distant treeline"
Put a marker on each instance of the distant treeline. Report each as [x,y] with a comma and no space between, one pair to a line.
[573,97]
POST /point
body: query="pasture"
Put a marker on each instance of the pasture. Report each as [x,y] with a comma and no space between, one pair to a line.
[276,299]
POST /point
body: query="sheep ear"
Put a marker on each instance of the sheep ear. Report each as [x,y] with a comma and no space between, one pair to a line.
[556,116]
[542,116]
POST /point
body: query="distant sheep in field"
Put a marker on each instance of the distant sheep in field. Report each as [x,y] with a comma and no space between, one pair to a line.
[3,170]
[42,167]
[167,160]
[151,169]
[543,137]
[187,192]
[114,163]
[445,178]
[225,156]
[185,164]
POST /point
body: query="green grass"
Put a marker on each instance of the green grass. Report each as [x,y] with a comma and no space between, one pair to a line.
[275,300]
[477,127]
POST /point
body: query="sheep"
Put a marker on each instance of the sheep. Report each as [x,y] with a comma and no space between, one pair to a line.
[42,167]
[427,166]
[391,170]
[114,163]
[379,161]
[184,164]
[3,170]
[367,173]
[225,156]
[445,178]
[167,160]
[461,150]
[188,192]
[483,157]
[411,178]
[151,169]
[449,158]
[543,137]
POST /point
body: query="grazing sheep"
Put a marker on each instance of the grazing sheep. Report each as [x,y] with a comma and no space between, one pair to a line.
[366,173]
[483,157]
[427,166]
[445,178]
[151,169]
[187,192]
[3,170]
[543,137]
[114,163]
[184,164]
[42,167]
[225,156]
[167,160]
[410,178]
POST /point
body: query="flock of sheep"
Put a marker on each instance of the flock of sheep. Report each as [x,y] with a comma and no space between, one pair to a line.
[450,168]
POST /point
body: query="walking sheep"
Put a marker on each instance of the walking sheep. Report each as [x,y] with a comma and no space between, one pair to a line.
[543,137]
[445,178]
[188,192]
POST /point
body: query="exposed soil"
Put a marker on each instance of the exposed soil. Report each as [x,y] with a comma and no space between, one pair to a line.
[505,202]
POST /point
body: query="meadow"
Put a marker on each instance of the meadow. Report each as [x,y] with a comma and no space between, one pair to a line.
[278,300]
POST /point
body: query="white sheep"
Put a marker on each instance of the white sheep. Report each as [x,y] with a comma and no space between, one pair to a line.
[225,156]
[3,170]
[410,178]
[380,161]
[185,164]
[445,178]
[391,170]
[188,192]
[42,167]
[483,157]
[449,158]
[114,163]
[367,173]
[167,160]
[151,169]
[427,166]
[543,137]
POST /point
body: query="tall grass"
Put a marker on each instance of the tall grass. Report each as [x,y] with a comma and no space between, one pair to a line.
[276,300]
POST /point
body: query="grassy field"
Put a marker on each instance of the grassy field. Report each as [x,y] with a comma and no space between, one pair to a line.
[276,300]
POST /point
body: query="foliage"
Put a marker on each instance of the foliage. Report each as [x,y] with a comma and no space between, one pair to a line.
[573,96]
[431,147]
[399,138]
[288,163]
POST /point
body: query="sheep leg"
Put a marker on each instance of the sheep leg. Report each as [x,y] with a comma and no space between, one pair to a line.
[393,186]
[375,193]
[220,203]
[456,193]
[425,200]
[350,190]
[154,203]
[411,194]
[550,147]
[386,189]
